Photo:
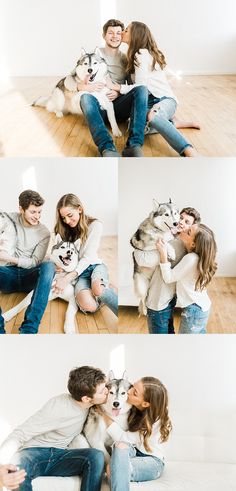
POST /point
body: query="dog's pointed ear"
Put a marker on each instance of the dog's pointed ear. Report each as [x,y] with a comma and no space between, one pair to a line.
[82,52]
[155,204]
[98,52]
[77,244]
[111,375]
[58,239]
[125,376]
[170,202]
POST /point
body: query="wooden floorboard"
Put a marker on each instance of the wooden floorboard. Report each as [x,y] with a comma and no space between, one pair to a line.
[32,131]
[222,320]
[101,322]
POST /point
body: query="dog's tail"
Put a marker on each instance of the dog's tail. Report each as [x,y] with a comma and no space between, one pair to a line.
[15,310]
[41,102]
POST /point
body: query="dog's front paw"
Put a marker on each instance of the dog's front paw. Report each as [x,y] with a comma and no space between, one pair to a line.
[116,132]
[69,329]
[59,114]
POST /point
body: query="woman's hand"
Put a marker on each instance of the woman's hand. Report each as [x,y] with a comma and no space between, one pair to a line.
[108,471]
[11,479]
[161,246]
[112,95]
[111,85]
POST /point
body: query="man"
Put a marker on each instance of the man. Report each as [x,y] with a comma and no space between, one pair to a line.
[132,105]
[42,441]
[25,270]
[161,297]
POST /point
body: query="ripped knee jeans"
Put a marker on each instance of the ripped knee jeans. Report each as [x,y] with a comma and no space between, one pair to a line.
[128,464]
[193,320]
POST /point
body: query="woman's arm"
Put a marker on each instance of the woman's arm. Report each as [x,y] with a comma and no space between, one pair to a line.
[142,72]
[183,268]
[90,247]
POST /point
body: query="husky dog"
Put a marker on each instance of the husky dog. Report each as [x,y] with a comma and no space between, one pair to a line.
[160,224]
[7,235]
[94,431]
[65,256]
[65,97]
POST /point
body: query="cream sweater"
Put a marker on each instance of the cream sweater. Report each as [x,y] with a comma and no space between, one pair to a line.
[55,425]
[155,80]
[185,274]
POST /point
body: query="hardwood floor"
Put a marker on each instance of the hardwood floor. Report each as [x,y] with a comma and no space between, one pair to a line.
[101,322]
[32,131]
[222,292]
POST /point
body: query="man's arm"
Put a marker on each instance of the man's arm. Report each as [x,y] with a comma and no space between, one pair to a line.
[38,255]
[41,422]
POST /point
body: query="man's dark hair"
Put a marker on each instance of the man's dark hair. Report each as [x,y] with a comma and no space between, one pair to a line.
[83,381]
[30,197]
[112,23]
[192,213]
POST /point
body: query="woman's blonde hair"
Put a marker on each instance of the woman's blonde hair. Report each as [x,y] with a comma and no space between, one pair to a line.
[142,38]
[155,393]
[65,231]
[205,247]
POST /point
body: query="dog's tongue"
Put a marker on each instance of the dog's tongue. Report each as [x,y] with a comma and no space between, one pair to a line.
[174,230]
[115,412]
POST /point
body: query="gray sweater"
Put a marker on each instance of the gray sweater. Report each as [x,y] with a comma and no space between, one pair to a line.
[31,243]
[56,424]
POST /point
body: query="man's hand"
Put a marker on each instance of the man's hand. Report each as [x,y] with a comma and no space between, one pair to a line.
[7,258]
[11,480]
[111,85]
[112,95]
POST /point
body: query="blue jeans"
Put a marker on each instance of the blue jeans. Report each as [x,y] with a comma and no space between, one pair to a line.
[129,464]
[39,279]
[43,461]
[98,271]
[132,105]
[161,123]
[161,321]
[193,320]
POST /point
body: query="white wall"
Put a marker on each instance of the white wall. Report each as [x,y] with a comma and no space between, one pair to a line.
[36,368]
[205,184]
[43,37]
[96,185]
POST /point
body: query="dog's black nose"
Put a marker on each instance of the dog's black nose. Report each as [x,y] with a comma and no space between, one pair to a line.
[69,252]
[175,224]
[116,404]
[90,70]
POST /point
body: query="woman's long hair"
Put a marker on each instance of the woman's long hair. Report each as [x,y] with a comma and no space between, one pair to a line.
[205,247]
[72,233]
[156,394]
[140,38]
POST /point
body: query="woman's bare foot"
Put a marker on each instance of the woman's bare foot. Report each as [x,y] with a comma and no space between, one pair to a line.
[179,123]
[190,152]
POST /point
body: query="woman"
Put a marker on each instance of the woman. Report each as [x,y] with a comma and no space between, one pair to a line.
[145,65]
[192,275]
[91,275]
[137,454]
